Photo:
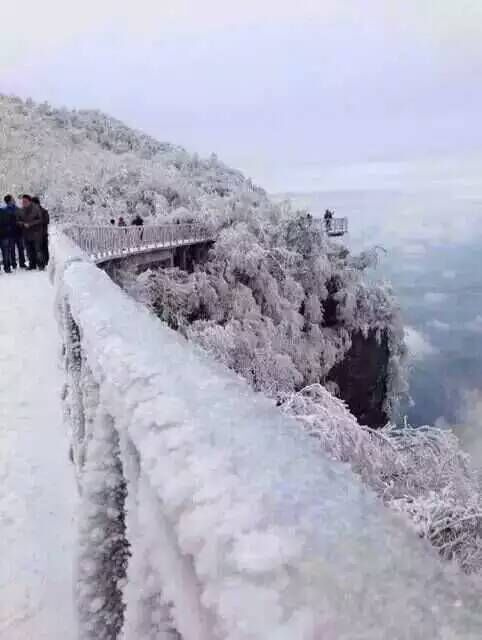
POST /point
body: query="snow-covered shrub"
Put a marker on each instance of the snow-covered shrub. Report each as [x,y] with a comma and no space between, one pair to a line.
[421,473]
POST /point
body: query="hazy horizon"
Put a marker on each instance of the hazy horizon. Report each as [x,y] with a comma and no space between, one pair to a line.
[273,88]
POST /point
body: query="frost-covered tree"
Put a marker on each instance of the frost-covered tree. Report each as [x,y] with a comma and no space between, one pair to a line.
[279,303]
[88,167]
[420,473]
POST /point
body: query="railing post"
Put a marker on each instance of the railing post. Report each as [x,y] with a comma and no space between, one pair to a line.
[148,614]
[103,548]
[72,394]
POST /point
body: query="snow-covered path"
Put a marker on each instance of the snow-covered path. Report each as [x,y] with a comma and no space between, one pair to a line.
[37,487]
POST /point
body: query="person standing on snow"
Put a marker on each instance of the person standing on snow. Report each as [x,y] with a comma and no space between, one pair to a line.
[31,221]
[45,232]
[7,232]
[16,242]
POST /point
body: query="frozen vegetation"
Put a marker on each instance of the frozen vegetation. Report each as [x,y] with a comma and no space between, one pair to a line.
[89,167]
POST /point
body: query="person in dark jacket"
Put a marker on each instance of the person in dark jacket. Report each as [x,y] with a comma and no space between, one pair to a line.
[45,232]
[137,221]
[328,219]
[32,224]
[121,222]
[7,232]
[16,241]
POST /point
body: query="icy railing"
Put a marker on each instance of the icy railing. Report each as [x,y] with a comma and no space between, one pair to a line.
[101,243]
[208,515]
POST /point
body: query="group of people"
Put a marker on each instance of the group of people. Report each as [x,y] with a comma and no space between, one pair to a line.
[136,222]
[24,234]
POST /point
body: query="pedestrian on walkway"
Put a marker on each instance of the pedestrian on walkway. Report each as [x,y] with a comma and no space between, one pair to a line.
[16,242]
[137,221]
[328,217]
[32,225]
[121,222]
[45,232]
[7,231]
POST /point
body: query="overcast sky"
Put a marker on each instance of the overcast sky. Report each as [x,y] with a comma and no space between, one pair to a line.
[271,86]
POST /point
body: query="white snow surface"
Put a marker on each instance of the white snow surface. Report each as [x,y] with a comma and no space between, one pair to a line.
[37,489]
[273,540]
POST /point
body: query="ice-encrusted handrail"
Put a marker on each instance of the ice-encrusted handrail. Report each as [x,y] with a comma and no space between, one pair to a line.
[107,243]
[205,512]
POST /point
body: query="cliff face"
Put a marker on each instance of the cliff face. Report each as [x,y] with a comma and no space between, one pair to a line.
[361,378]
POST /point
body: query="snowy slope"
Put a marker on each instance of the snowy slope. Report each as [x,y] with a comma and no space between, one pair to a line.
[37,489]
[87,166]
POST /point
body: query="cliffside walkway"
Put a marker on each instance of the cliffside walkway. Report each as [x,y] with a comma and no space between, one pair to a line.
[105,244]
[102,244]
[37,488]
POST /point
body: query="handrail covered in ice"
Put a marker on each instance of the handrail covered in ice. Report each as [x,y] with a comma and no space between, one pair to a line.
[107,243]
[207,514]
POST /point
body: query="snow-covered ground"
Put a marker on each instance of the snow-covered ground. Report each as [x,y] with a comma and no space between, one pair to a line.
[37,487]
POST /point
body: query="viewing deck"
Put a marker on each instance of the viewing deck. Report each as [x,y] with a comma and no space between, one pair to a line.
[336,227]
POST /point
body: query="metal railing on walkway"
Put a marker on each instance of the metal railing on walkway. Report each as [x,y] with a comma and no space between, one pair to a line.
[336,226]
[101,243]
